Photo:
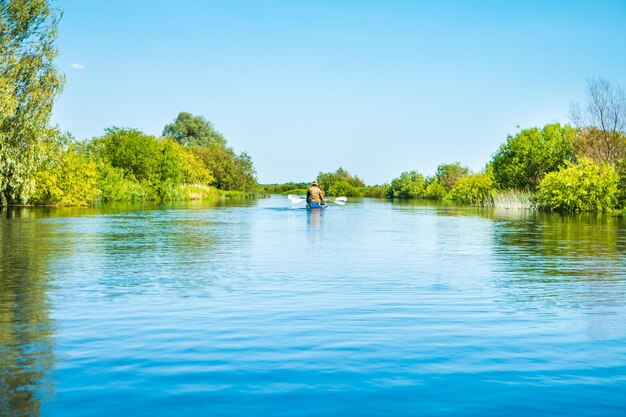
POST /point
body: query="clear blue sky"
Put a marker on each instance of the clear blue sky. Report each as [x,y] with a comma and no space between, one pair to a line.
[378,87]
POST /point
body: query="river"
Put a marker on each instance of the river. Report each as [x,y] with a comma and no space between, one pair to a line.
[261,309]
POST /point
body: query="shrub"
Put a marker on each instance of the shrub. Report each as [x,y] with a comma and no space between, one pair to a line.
[340,182]
[410,184]
[476,189]
[447,175]
[66,177]
[527,157]
[587,186]
[114,186]
[229,170]
[138,155]
[436,190]
[376,191]
[343,188]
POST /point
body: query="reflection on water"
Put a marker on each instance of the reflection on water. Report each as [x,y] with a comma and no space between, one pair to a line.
[26,356]
[258,308]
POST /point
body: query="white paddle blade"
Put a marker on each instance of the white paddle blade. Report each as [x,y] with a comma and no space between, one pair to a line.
[340,202]
[295,199]
[342,199]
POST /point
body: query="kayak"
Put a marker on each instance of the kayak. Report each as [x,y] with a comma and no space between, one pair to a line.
[313,205]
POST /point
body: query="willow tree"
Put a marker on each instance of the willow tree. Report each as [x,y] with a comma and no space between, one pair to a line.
[29,83]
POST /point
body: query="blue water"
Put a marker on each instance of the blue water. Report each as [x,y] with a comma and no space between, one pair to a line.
[260,309]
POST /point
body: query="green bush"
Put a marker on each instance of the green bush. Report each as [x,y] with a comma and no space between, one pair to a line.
[447,176]
[67,176]
[527,157]
[343,188]
[340,183]
[114,186]
[229,170]
[476,189]
[410,184]
[140,156]
[376,191]
[586,186]
[436,190]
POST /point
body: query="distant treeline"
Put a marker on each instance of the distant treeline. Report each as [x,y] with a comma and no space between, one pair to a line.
[562,168]
[338,183]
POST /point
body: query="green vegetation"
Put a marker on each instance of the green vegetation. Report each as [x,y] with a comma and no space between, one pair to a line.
[29,83]
[527,157]
[555,167]
[475,189]
[561,168]
[585,186]
[340,183]
[40,165]
[190,130]
[287,188]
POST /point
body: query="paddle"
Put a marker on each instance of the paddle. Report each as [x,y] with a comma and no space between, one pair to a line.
[296,199]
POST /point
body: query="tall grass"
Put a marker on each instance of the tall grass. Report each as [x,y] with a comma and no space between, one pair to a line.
[513,199]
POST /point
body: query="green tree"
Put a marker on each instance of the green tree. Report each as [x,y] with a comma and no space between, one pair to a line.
[527,157]
[448,174]
[190,130]
[229,170]
[29,83]
[139,155]
[410,184]
[340,182]
[435,190]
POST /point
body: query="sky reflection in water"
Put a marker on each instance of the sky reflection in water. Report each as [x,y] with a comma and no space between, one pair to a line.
[258,308]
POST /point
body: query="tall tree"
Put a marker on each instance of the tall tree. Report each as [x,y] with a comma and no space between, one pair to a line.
[29,83]
[192,130]
[602,122]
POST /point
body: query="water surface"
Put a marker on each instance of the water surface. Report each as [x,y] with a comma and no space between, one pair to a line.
[256,308]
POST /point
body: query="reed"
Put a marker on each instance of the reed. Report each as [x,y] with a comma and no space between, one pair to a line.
[513,199]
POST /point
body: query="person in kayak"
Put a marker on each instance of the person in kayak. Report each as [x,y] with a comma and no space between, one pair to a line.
[315,194]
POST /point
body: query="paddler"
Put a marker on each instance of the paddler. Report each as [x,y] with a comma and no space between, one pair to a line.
[315,194]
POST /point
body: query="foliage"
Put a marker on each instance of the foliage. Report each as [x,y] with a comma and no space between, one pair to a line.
[138,155]
[343,188]
[527,157]
[286,188]
[410,184]
[190,130]
[376,191]
[29,83]
[447,176]
[621,186]
[587,186]
[230,171]
[476,189]
[436,190]
[198,192]
[340,182]
[66,177]
[114,186]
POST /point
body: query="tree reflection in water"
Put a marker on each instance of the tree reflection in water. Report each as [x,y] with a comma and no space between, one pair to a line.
[26,330]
